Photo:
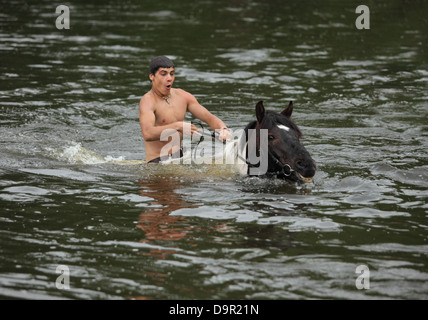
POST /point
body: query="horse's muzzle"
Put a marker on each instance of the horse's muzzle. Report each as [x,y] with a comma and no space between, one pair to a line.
[305,169]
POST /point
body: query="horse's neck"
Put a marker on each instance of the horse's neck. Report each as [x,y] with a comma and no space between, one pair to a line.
[235,153]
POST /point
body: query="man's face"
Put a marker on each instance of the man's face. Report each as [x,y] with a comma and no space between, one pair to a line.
[163,79]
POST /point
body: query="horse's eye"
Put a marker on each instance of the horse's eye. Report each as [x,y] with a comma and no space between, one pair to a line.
[271,137]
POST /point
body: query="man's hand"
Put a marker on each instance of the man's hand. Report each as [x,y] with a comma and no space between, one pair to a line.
[224,134]
[188,128]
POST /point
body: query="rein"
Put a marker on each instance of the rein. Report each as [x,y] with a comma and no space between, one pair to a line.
[214,135]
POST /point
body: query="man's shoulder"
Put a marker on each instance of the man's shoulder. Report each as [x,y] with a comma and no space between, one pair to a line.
[184,94]
[147,96]
[179,91]
[147,101]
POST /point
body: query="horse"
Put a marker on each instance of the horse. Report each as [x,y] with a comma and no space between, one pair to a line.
[273,148]
[269,146]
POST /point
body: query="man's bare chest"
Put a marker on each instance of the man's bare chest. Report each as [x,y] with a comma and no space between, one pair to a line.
[168,113]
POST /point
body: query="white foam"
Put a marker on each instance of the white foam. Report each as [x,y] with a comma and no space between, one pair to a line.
[77,154]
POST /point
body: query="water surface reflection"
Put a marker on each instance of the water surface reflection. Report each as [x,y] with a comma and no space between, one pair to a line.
[155,220]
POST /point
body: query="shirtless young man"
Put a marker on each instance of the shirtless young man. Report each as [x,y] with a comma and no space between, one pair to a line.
[162,112]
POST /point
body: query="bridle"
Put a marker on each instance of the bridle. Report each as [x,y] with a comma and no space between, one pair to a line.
[285,170]
[279,164]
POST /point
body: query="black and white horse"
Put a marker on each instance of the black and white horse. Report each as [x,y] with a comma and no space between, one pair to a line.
[272,147]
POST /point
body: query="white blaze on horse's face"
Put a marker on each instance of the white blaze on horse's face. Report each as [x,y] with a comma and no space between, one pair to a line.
[282,127]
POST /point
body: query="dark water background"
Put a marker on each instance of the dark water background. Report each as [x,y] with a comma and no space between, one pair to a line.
[73,191]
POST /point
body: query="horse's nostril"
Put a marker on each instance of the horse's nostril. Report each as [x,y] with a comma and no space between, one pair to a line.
[305,167]
[301,164]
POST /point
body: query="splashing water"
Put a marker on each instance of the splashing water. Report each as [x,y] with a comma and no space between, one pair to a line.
[77,154]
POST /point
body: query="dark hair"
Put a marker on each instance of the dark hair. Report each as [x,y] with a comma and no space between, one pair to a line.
[160,62]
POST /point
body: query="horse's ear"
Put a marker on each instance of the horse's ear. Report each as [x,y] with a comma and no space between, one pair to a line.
[288,111]
[260,111]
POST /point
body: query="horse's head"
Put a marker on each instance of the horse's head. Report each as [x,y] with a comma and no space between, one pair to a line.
[287,158]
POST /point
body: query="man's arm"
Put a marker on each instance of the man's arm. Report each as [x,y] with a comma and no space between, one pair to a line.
[203,114]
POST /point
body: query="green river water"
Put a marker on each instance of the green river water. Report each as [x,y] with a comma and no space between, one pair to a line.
[75,193]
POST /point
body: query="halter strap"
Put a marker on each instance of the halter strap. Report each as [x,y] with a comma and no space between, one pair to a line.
[277,162]
[283,166]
